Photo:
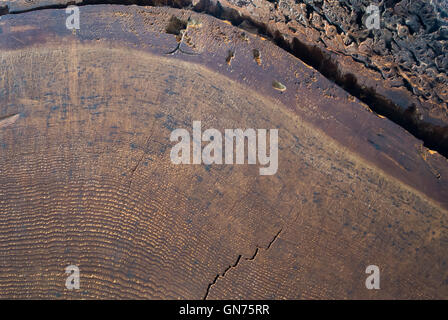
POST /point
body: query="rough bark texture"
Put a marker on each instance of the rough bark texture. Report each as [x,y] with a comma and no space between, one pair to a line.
[400,70]
[409,50]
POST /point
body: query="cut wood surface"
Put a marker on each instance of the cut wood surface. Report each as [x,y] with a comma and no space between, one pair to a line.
[86,177]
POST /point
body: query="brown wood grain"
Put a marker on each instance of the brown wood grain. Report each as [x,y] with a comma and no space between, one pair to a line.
[86,178]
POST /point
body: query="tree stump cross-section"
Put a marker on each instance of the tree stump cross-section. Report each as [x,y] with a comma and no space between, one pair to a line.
[86,177]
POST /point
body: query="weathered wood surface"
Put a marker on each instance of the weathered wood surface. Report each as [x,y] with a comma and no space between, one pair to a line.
[399,70]
[86,179]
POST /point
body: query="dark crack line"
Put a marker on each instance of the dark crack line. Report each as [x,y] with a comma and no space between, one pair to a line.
[145,147]
[257,249]
[8,116]
[133,170]
[238,260]
[179,48]
[8,119]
